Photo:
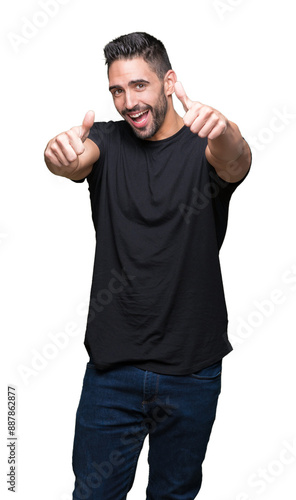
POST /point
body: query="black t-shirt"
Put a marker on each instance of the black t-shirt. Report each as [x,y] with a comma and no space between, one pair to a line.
[160,215]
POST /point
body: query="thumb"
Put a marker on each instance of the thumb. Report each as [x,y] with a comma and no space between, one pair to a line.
[87,123]
[182,96]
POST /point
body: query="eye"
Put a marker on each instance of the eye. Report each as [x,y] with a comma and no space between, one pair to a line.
[140,86]
[116,92]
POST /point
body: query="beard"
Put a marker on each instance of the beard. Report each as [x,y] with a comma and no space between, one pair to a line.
[158,114]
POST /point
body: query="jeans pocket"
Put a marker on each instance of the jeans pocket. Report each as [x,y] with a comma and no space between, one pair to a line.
[210,372]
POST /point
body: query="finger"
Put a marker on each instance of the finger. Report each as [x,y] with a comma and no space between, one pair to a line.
[64,149]
[50,155]
[220,129]
[75,141]
[182,96]
[59,156]
[87,123]
[203,125]
[196,112]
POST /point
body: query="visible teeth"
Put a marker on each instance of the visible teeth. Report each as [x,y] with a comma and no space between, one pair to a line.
[139,114]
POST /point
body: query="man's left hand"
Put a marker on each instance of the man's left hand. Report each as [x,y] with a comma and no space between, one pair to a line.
[200,118]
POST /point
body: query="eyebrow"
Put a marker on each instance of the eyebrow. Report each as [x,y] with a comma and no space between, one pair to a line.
[132,82]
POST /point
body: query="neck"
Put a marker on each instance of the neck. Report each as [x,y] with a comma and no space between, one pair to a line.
[171,125]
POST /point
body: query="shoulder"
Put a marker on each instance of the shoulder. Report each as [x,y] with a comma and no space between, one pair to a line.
[105,128]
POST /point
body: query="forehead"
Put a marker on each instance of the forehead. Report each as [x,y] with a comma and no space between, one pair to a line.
[124,70]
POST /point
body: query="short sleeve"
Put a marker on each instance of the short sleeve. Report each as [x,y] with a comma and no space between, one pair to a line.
[220,194]
[98,134]
[226,189]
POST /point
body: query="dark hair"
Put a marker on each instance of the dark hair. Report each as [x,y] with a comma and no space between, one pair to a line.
[139,45]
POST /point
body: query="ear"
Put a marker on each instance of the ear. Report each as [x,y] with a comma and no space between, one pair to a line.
[169,82]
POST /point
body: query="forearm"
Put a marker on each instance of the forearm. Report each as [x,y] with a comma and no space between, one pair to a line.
[229,154]
[74,171]
[229,146]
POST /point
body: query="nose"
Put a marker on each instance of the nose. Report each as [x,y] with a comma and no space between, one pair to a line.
[130,100]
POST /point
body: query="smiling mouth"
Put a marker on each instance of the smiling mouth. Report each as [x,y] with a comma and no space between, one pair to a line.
[139,118]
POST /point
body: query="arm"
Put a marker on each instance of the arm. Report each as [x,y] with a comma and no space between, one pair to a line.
[226,151]
[70,154]
[229,154]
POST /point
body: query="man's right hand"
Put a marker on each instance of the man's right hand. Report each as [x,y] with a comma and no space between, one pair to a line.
[63,151]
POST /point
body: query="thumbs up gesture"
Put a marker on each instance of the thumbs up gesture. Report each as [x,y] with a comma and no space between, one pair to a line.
[200,118]
[63,151]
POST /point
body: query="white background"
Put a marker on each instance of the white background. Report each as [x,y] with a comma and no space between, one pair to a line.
[237,56]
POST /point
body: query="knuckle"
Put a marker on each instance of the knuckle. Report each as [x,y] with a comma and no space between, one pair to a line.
[51,157]
[74,131]
[208,112]
[70,134]
[61,138]
[80,148]
[196,107]
[72,157]
[75,142]
[194,128]
[54,147]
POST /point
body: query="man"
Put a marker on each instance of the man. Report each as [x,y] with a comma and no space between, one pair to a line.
[160,187]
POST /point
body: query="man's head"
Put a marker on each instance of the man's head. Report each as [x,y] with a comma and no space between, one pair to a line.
[141,81]
[139,45]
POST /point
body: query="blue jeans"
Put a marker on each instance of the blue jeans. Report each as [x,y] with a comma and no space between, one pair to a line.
[119,407]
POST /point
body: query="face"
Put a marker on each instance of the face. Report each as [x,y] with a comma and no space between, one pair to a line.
[138,95]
